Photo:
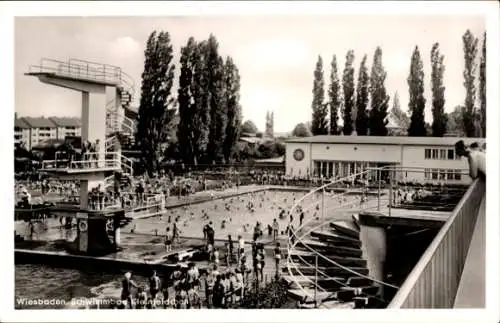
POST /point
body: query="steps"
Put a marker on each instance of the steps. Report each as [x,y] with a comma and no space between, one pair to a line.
[125,97]
[330,271]
[336,287]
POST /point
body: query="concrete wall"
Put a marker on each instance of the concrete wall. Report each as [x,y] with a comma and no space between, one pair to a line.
[294,167]
[374,248]
[350,152]
[414,156]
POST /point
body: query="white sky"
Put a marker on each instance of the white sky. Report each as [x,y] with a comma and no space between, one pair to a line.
[276,55]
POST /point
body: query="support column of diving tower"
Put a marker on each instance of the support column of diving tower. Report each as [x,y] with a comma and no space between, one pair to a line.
[101,88]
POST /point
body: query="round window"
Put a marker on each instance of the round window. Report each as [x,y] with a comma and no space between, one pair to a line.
[298,154]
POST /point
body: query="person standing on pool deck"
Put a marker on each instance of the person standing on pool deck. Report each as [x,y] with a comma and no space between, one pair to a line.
[154,285]
[230,243]
[241,248]
[127,284]
[277,258]
[276,229]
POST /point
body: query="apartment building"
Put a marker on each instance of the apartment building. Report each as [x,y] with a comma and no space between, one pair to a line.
[31,131]
[67,127]
[22,133]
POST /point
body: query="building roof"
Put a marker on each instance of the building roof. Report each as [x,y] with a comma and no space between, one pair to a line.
[39,122]
[251,140]
[389,140]
[393,122]
[48,143]
[276,160]
[20,123]
[66,122]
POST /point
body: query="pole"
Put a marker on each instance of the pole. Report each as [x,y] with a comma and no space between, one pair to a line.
[390,191]
[378,180]
[323,205]
[316,281]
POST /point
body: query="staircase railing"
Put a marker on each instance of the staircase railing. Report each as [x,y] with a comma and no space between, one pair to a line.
[299,234]
[434,281]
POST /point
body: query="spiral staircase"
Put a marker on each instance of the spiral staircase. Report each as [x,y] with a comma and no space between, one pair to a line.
[326,265]
[120,131]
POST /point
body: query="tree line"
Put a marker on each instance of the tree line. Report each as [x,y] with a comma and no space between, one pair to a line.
[201,122]
[364,106]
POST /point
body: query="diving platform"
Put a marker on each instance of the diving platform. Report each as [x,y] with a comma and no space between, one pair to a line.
[105,91]
[403,217]
[75,74]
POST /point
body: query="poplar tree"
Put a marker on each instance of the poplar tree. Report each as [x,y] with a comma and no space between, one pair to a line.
[233,108]
[348,89]
[379,103]
[194,116]
[416,103]
[156,110]
[319,108]
[213,69]
[482,88]
[470,43]
[362,92]
[334,96]
[439,117]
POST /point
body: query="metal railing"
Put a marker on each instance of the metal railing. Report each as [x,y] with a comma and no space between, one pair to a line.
[87,161]
[395,175]
[113,124]
[79,69]
[303,231]
[434,281]
[125,80]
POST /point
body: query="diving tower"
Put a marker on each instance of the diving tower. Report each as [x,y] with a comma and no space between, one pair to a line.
[106,92]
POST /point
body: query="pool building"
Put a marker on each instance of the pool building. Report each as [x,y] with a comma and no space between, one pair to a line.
[339,156]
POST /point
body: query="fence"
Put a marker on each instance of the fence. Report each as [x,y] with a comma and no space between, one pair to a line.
[434,281]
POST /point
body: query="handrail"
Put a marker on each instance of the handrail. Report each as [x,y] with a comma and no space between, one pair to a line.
[309,265]
[87,160]
[443,282]
[334,262]
[322,188]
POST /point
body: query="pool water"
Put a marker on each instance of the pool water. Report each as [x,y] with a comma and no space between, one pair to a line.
[38,281]
[238,219]
[63,286]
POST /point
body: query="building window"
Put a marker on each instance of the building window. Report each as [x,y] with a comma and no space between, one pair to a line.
[442,174]
[458,175]
[442,154]
[427,172]
[451,154]
[449,175]
[434,174]
[427,154]
[435,154]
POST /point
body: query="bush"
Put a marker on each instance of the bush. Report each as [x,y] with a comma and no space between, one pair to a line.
[274,295]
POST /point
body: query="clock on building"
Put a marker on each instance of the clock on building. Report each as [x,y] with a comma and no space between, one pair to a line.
[298,154]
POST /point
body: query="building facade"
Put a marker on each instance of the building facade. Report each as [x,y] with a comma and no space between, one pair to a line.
[425,159]
[31,131]
[22,133]
[67,127]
